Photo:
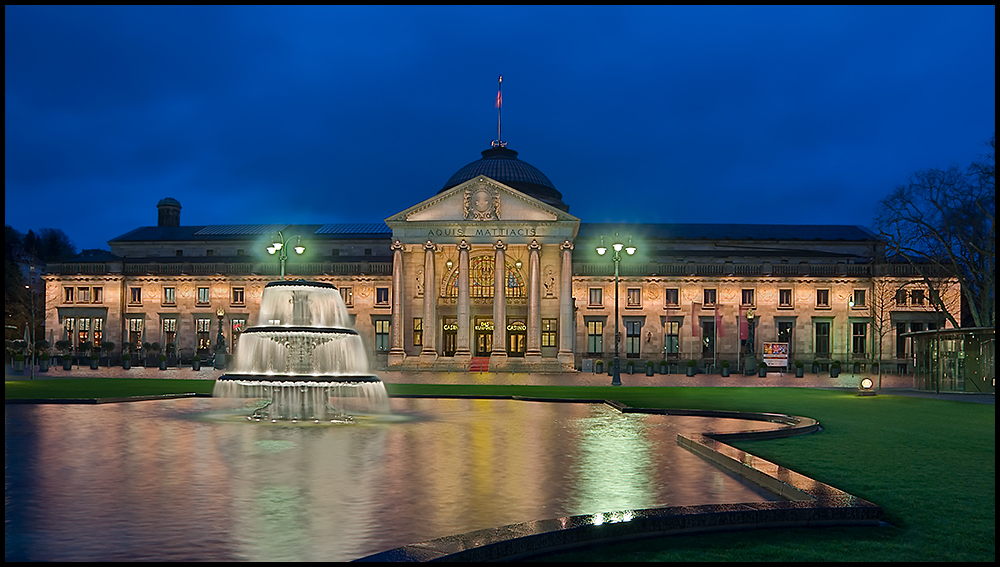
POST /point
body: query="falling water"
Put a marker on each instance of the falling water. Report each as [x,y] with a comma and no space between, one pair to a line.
[302,361]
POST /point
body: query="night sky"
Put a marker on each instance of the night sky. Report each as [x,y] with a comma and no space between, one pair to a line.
[253,115]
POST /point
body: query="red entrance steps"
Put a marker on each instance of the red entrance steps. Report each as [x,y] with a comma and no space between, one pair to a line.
[479,364]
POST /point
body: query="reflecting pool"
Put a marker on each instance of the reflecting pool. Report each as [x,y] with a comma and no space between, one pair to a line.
[178,481]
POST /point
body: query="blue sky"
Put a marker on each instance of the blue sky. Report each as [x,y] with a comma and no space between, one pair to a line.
[349,114]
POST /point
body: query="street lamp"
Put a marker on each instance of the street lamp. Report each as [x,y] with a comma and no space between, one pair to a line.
[617,257]
[280,246]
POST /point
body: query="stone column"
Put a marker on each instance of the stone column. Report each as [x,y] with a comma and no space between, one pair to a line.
[462,350]
[429,349]
[566,319]
[534,350]
[396,352]
[498,357]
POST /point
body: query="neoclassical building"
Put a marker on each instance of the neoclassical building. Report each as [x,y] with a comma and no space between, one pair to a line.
[492,271]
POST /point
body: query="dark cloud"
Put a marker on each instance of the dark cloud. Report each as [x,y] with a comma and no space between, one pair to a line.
[332,114]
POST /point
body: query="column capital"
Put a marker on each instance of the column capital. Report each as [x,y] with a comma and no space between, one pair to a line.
[463,245]
[499,245]
[397,245]
[534,245]
[429,246]
[567,245]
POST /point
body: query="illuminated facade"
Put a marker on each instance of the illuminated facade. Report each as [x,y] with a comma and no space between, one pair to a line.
[493,272]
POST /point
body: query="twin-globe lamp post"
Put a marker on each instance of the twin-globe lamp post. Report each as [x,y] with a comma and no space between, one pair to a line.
[280,246]
[617,257]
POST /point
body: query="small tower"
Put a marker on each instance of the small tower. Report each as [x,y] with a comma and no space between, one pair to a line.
[169,212]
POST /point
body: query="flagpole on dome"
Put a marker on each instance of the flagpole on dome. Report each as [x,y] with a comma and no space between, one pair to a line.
[499,143]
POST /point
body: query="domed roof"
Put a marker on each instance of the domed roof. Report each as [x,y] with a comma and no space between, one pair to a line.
[501,164]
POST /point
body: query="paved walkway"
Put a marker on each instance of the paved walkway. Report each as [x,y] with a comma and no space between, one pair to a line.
[891,383]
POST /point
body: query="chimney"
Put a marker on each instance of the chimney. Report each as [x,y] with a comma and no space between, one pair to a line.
[170,212]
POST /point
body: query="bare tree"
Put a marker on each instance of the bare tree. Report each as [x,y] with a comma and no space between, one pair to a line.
[942,224]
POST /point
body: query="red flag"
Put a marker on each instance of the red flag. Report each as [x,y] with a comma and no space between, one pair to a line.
[744,329]
[499,98]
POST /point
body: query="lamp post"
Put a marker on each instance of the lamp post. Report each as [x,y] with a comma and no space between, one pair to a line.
[751,361]
[849,337]
[617,257]
[220,341]
[280,246]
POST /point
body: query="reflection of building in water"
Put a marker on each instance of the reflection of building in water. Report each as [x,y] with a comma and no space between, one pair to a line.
[494,267]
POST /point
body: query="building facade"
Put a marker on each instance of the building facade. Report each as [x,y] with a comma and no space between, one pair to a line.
[493,272]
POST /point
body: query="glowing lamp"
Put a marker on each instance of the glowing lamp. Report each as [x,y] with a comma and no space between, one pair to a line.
[271,249]
[866,387]
[602,250]
[618,246]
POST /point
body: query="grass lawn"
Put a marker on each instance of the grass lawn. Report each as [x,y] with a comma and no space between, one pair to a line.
[929,463]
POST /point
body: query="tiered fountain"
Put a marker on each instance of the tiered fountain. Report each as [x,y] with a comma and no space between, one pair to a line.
[302,360]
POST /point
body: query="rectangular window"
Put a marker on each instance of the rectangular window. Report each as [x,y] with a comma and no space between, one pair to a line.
[335,252]
[596,297]
[169,296]
[633,297]
[83,331]
[785,298]
[382,334]
[203,328]
[210,252]
[917,297]
[68,294]
[238,326]
[169,331]
[900,340]
[549,328]
[98,333]
[859,336]
[83,294]
[98,295]
[708,339]
[203,296]
[418,331]
[633,338]
[822,339]
[746,298]
[135,332]
[347,294]
[135,295]
[859,298]
[709,298]
[382,296]
[901,297]
[238,296]
[823,298]
[785,331]
[671,343]
[595,337]
[178,252]
[671,297]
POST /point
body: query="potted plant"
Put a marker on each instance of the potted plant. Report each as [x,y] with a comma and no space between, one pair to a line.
[196,363]
[163,362]
[127,356]
[649,368]
[799,369]
[43,361]
[815,367]
[630,365]
[65,347]
[172,352]
[725,368]
[664,366]
[108,347]
[691,367]
[144,352]
[95,356]
[834,369]
[762,369]
[19,363]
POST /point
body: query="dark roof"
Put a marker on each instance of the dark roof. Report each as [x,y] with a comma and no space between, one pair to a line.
[341,231]
[501,164]
[681,231]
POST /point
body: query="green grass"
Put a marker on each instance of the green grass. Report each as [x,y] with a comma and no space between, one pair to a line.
[929,463]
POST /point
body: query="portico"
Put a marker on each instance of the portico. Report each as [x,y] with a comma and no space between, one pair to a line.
[476,270]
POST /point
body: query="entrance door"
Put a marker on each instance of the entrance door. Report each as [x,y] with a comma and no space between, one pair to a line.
[449,334]
[517,333]
[484,337]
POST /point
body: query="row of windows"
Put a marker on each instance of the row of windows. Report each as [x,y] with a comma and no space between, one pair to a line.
[83,294]
[633,298]
[449,328]
[237,296]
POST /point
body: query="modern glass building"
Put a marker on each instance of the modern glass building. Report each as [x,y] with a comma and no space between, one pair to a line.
[954,360]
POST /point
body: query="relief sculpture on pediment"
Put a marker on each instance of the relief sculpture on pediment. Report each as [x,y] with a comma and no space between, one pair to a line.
[482,203]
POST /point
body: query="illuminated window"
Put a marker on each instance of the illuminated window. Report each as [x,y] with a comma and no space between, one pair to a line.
[823,298]
[135,332]
[785,331]
[203,329]
[708,298]
[549,328]
[708,339]
[98,295]
[83,294]
[203,296]
[671,343]
[381,335]
[784,298]
[169,331]
[633,297]
[238,326]
[595,337]
[481,283]
[671,297]
[418,331]
[238,296]
[169,296]
[382,296]
[83,330]
[633,331]
[68,294]
[347,294]
[746,297]
[98,333]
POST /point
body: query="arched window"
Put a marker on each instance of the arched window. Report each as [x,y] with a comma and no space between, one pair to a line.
[481,279]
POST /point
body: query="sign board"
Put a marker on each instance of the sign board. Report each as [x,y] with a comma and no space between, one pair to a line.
[776,354]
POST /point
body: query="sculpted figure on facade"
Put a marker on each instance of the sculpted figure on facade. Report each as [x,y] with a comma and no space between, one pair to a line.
[482,203]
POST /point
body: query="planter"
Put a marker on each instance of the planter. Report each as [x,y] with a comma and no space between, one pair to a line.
[68,363]
[126,363]
[631,368]
[799,372]
[691,370]
[94,363]
[163,365]
[19,366]
[196,365]
[834,371]
[664,368]
[762,372]
[43,365]
[649,371]
[725,371]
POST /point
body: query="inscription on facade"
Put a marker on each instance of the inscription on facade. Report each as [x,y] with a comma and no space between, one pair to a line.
[464,231]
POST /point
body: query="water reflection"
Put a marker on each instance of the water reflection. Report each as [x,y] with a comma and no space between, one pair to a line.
[152,481]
